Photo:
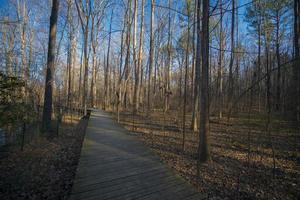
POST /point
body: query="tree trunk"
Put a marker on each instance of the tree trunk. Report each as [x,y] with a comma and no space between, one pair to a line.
[47,112]
[86,70]
[186,76]
[10,39]
[127,58]
[296,70]
[93,62]
[118,93]
[197,71]
[150,57]
[278,88]
[221,57]
[230,88]
[259,60]
[135,61]
[106,79]
[70,55]
[167,89]
[203,152]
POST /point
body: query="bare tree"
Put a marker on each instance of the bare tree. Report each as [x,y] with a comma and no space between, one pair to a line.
[106,75]
[188,5]
[150,56]
[221,59]
[140,61]
[230,87]
[70,52]
[168,71]
[84,10]
[196,53]
[203,151]
[47,112]
[127,68]
[22,29]
[296,69]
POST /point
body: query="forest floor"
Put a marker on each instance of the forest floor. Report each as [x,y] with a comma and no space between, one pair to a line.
[45,169]
[242,164]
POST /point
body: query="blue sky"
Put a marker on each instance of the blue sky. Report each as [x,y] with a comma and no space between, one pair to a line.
[3,3]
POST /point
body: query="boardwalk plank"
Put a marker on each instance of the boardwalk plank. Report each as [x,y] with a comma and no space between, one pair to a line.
[115,165]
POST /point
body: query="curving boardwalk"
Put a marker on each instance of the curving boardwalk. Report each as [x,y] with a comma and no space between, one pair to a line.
[115,165]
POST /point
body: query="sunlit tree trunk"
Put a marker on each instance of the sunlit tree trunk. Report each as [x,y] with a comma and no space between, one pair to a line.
[106,78]
[84,13]
[135,60]
[140,62]
[197,72]
[70,54]
[127,58]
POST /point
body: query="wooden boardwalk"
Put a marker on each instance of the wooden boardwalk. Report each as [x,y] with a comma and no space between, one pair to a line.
[115,165]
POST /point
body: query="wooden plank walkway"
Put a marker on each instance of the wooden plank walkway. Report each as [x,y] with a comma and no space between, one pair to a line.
[115,165]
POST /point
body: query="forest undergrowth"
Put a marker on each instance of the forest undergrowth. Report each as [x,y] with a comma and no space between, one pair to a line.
[241,165]
[45,169]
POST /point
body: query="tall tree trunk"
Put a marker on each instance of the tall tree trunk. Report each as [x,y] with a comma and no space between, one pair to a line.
[127,58]
[135,59]
[140,62]
[70,55]
[203,152]
[86,70]
[31,37]
[186,76]
[230,88]
[197,71]
[167,89]
[93,85]
[47,112]
[119,89]
[193,75]
[150,57]
[93,47]
[80,76]
[22,26]
[10,39]
[296,70]
[259,59]
[84,16]
[74,62]
[221,57]
[106,79]
[237,63]
[278,86]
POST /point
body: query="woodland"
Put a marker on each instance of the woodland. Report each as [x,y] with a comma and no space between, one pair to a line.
[210,86]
